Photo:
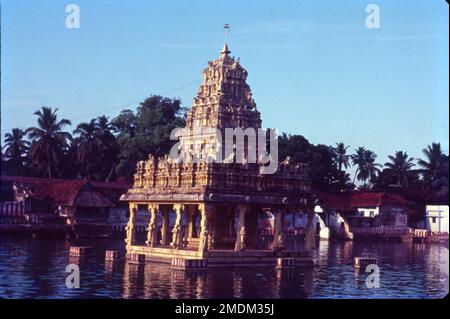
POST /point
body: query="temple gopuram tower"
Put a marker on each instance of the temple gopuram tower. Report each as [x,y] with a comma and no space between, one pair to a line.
[213,206]
[224,98]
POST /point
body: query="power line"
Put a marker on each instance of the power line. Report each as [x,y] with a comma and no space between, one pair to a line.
[133,103]
[104,111]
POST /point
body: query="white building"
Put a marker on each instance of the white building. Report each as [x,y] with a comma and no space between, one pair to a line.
[436,218]
[368,211]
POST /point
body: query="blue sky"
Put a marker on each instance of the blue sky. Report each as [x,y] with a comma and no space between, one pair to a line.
[314,67]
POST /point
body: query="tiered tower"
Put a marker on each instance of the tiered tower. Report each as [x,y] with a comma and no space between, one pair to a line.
[226,198]
[224,98]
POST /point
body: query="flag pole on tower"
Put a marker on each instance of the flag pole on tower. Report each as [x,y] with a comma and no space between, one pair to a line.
[226,29]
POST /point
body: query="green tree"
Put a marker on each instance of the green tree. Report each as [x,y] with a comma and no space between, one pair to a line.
[125,124]
[49,142]
[342,181]
[367,168]
[320,159]
[147,131]
[96,148]
[156,118]
[435,164]
[435,172]
[15,150]
[324,173]
[87,149]
[295,146]
[70,167]
[341,156]
[108,148]
[358,160]
[400,168]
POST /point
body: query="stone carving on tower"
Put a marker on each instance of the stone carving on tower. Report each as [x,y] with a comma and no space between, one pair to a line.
[224,100]
[217,182]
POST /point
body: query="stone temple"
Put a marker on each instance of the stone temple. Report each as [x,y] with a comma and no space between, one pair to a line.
[214,211]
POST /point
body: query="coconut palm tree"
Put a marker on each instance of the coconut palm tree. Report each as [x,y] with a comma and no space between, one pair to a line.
[400,168]
[87,145]
[371,168]
[342,158]
[358,160]
[435,165]
[15,148]
[97,148]
[48,140]
[367,168]
[108,147]
[103,126]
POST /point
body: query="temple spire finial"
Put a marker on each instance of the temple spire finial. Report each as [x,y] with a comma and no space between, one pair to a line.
[225,50]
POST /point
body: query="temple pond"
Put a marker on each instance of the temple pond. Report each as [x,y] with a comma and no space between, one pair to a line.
[36,268]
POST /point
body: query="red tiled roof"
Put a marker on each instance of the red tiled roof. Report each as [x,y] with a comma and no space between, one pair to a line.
[335,201]
[374,199]
[350,201]
[67,192]
[36,180]
[61,193]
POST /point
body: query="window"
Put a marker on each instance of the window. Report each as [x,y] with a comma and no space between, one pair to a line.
[433,220]
[371,213]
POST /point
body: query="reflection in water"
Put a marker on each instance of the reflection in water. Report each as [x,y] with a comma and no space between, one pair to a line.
[110,267]
[35,268]
[77,260]
[293,283]
[133,280]
[237,285]
[406,270]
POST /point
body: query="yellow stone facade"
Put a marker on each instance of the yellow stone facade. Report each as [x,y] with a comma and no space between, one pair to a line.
[226,198]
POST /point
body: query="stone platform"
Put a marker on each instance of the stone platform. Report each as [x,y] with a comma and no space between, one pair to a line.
[220,258]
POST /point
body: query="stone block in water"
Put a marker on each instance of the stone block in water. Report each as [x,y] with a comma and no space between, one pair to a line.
[137,258]
[285,263]
[79,251]
[111,255]
[363,262]
[187,264]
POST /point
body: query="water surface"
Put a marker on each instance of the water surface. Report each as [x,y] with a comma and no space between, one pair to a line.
[36,268]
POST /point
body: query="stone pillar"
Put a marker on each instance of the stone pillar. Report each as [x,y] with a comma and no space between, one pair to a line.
[230,222]
[204,228]
[252,229]
[190,221]
[220,216]
[152,230]
[241,234]
[212,225]
[165,226]
[279,236]
[177,233]
[310,237]
[130,230]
